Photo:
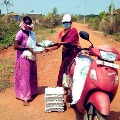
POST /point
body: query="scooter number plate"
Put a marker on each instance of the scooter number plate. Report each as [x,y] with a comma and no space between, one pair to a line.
[100,62]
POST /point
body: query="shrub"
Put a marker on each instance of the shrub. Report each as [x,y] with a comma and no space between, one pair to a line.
[117,36]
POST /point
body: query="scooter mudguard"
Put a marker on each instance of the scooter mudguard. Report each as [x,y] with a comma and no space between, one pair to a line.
[101,102]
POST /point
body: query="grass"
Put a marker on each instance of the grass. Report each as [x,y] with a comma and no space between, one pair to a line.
[43,34]
[6,71]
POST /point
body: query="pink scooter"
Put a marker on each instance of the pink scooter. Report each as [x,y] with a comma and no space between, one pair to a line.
[100,76]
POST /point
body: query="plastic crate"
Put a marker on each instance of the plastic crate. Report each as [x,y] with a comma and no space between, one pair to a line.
[54,99]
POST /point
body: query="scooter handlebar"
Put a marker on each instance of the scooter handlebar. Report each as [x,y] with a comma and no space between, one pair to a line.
[87,49]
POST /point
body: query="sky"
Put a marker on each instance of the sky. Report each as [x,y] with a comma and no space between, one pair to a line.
[63,6]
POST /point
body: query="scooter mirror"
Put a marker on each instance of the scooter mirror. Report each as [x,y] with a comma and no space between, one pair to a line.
[84,35]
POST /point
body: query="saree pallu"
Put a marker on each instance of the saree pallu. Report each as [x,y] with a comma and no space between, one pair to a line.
[68,54]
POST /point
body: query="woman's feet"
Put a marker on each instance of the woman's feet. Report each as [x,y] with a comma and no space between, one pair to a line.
[25,103]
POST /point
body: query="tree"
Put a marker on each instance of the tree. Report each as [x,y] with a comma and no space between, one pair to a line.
[55,11]
[111,10]
[102,15]
[111,7]
[7,3]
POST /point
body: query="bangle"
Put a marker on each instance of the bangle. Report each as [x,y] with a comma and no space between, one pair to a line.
[25,48]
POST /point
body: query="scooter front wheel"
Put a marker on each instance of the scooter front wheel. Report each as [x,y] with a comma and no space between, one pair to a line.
[89,114]
[99,116]
[94,114]
[88,117]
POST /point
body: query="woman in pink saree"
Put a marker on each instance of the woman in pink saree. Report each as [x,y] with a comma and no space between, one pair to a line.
[25,74]
[69,38]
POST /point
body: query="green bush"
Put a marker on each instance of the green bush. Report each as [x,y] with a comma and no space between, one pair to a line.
[93,22]
[117,36]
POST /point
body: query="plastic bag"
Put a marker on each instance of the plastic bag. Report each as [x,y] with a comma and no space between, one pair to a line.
[45,43]
[29,55]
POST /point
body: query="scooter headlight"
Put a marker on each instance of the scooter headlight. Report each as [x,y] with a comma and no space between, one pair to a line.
[109,56]
[93,74]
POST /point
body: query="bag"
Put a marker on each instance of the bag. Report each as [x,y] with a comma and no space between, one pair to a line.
[29,55]
[45,43]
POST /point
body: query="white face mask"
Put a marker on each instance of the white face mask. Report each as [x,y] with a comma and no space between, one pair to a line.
[66,25]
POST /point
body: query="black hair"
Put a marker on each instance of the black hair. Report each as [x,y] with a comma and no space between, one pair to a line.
[27,18]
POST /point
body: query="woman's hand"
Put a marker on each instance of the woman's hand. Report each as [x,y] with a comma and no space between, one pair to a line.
[37,44]
[30,49]
[48,49]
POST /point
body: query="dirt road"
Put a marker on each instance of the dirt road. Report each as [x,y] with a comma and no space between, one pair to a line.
[48,66]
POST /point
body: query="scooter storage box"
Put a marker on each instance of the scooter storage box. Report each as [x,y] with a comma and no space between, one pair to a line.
[54,99]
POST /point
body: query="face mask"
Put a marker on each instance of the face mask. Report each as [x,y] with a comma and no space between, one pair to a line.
[66,25]
[26,27]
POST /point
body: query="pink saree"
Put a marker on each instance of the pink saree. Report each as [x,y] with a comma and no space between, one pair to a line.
[25,73]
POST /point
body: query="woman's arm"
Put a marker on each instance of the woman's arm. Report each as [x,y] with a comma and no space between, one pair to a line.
[19,47]
[51,48]
[63,43]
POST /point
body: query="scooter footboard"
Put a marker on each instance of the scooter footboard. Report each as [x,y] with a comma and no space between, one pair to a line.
[101,101]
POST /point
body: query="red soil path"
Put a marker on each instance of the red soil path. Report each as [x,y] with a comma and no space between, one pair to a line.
[48,66]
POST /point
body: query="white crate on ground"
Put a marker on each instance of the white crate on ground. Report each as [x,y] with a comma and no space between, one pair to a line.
[54,99]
